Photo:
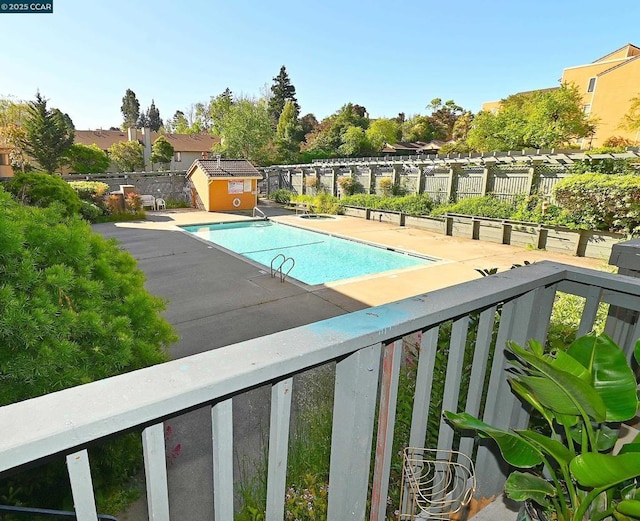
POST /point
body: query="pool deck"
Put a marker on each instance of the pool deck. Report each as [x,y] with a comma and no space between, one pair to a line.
[458,257]
[217,299]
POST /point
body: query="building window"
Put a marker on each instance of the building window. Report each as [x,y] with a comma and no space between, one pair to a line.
[177,157]
[4,159]
[586,109]
[592,85]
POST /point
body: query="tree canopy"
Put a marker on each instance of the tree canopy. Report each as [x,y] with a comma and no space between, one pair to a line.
[47,134]
[128,155]
[539,119]
[87,159]
[130,109]
[162,151]
[151,118]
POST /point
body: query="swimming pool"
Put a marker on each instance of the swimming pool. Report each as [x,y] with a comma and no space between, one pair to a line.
[318,257]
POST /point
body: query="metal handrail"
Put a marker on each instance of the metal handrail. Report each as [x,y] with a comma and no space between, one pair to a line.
[30,513]
[279,269]
[257,210]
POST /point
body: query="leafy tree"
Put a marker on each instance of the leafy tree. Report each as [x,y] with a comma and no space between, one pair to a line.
[178,124]
[354,142]
[12,133]
[130,109]
[128,156]
[48,134]
[308,123]
[444,117]
[538,119]
[162,151]
[74,309]
[383,131]
[38,189]
[282,91]
[87,159]
[153,119]
[246,132]
[288,132]
[329,134]
[418,128]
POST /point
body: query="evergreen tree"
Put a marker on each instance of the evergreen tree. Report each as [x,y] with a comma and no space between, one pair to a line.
[48,134]
[130,109]
[281,91]
[143,121]
[154,121]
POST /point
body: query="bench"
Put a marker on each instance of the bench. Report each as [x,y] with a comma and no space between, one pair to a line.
[148,200]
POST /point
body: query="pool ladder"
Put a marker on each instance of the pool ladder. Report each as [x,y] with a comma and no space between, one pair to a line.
[279,269]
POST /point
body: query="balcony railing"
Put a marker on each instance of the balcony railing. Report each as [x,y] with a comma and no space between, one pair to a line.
[366,347]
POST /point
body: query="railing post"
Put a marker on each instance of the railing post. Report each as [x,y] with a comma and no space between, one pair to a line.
[82,486]
[352,435]
[623,325]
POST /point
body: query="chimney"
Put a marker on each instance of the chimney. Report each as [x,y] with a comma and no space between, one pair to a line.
[205,155]
[218,158]
[132,134]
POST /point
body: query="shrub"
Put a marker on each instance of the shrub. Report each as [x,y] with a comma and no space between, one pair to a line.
[91,212]
[415,204]
[93,191]
[601,201]
[73,309]
[529,209]
[37,189]
[350,185]
[480,206]
[132,203]
[604,166]
[281,196]
[385,186]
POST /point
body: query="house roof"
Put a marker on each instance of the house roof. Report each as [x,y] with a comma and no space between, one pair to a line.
[631,51]
[225,168]
[180,142]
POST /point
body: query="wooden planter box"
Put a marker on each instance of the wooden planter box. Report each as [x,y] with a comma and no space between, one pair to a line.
[523,235]
[431,224]
[352,211]
[460,226]
[597,245]
[489,230]
[387,217]
[561,240]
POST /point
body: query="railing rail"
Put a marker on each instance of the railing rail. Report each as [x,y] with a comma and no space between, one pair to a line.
[363,346]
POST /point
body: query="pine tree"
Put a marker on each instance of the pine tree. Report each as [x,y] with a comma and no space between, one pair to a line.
[48,134]
[154,122]
[130,109]
[281,91]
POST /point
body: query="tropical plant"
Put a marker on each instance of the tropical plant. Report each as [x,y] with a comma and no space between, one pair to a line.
[581,395]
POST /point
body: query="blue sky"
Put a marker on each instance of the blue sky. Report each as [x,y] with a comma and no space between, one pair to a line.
[390,57]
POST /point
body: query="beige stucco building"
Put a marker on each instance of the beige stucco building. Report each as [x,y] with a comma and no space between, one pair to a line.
[607,85]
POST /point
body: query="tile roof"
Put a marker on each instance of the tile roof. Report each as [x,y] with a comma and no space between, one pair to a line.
[180,142]
[224,168]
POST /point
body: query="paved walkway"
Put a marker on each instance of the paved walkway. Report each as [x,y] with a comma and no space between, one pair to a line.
[216,299]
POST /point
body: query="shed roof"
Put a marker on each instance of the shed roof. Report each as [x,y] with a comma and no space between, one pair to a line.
[224,168]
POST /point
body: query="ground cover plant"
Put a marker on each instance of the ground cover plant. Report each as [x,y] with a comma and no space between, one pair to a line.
[73,309]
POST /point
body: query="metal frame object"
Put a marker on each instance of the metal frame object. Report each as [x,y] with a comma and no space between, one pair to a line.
[435,483]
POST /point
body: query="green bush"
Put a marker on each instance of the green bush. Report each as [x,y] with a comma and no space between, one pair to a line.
[605,166]
[73,309]
[350,185]
[415,204]
[601,201]
[480,206]
[281,196]
[37,189]
[91,212]
[93,191]
[321,203]
[530,209]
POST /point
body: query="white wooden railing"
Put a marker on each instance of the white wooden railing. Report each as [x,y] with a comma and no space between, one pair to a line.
[366,348]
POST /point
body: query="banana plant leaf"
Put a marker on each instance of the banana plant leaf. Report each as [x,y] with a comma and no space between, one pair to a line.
[606,436]
[552,447]
[611,376]
[515,450]
[596,470]
[629,507]
[521,486]
[559,390]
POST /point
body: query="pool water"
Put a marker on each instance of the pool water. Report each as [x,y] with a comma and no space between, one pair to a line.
[318,257]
